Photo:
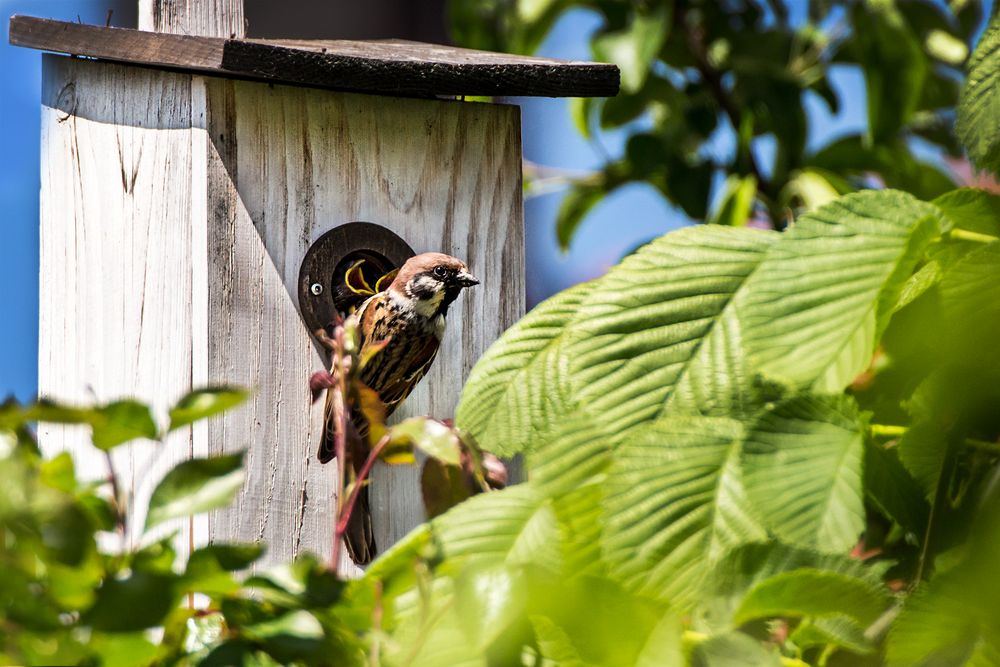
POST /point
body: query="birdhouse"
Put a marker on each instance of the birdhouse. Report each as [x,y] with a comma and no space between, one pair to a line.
[201,197]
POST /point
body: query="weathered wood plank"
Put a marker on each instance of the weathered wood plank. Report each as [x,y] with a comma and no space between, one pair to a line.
[213,18]
[391,67]
[115,310]
[293,163]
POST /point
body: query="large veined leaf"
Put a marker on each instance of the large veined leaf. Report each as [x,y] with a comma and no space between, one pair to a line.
[674,503]
[579,514]
[512,527]
[812,592]
[521,384]
[979,105]
[894,65]
[970,297]
[825,291]
[945,623]
[600,623]
[664,321]
[971,209]
[747,567]
[577,451]
[801,464]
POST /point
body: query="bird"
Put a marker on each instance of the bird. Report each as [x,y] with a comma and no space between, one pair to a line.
[402,327]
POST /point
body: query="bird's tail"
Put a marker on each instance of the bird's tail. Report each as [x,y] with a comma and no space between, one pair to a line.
[359,537]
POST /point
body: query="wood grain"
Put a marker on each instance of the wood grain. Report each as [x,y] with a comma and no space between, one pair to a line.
[443,175]
[210,18]
[392,67]
[115,309]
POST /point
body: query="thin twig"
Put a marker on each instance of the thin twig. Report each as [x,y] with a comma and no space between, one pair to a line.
[713,79]
[359,482]
[120,509]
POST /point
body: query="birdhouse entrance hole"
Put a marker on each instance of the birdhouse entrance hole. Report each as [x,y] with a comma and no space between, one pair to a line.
[344,267]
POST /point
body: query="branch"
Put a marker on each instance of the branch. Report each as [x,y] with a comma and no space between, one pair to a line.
[120,510]
[713,78]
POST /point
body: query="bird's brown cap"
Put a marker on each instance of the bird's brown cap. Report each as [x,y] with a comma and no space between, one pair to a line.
[426,262]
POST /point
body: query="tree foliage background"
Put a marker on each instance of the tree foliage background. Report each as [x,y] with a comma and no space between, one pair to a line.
[744,446]
[689,67]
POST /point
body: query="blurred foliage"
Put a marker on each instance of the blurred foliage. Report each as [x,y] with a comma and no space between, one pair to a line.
[690,68]
[743,447]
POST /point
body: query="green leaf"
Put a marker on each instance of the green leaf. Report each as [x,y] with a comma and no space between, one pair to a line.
[579,111]
[894,491]
[970,298]
[801,464]
[121,421]
[979,105]
[809,592]
[941,624]
[824,293]
[659,334]
[634,48]
[513,526]
[54,413]
[123,650]
[555,644]
[576,452]
[139,601]
[203,403]
[971,209]
[601,623]
[736,201]
[837,630]
[208,568]
[196,486]
[733,649]
[747,566]
[442,487]
[297,634]
[674,504]
[522,382]
[487,601]
[430,436]
[894,65]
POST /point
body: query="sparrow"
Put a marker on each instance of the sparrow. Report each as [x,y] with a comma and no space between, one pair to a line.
[402,328]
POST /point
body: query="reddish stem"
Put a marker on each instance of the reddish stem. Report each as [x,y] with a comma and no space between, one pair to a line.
[345,515]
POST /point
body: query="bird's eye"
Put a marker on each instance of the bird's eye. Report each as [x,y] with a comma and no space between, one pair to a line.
[440,272]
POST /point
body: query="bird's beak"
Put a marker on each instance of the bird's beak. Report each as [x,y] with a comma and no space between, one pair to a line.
[466,279]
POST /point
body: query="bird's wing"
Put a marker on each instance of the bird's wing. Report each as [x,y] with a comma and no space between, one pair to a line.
[326,445]
[417,360]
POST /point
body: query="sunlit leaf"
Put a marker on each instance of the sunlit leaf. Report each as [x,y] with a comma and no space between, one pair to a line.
[825,291]
[120,422]
[810,592]
[203,403]
[429,436]
[675,502]
[979,106]
[195,486]
[801,463]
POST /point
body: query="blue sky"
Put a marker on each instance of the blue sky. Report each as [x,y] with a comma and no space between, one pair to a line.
[630,216]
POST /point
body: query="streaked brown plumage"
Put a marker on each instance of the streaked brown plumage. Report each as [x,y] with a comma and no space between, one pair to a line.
[410,315]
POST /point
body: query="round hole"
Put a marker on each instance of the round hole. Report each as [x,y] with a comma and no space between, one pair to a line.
[373,266]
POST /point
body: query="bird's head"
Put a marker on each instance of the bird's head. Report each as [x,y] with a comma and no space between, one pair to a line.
[431,282]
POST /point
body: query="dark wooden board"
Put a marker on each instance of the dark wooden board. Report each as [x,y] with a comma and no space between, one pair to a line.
[392,67]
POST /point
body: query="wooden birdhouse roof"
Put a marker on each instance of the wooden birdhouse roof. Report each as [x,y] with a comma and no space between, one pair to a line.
[388,67]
